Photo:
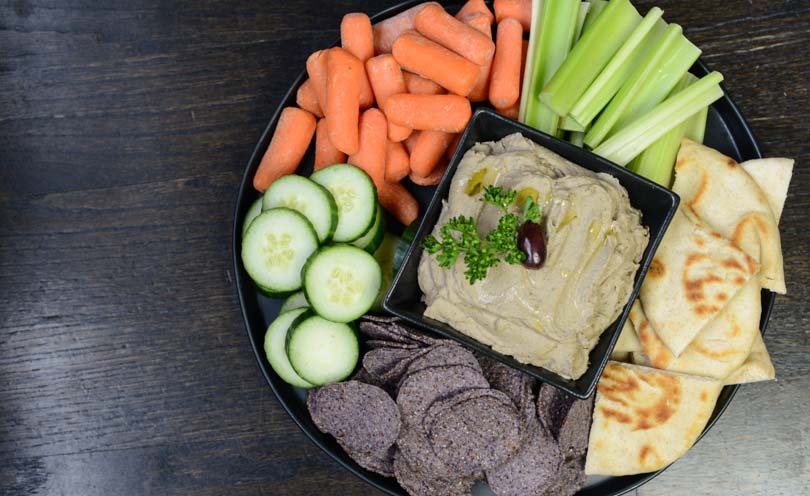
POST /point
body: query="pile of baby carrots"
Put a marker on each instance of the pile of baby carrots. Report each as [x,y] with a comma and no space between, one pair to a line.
[394,97]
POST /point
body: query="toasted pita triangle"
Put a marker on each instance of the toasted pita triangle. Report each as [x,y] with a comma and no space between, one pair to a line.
[693,275]
[757,367]
[628,340]
[772,175]
[718,349]
[716,190]
[644,419]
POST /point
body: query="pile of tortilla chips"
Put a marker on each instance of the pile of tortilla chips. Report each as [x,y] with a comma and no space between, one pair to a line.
[695,326]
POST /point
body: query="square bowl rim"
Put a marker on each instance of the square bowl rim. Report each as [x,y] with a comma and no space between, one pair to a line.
[621,174]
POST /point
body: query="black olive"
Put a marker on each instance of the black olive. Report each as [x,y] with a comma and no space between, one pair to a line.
[532,241]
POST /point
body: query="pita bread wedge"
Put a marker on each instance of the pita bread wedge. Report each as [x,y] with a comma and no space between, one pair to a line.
[628,339]
[622,356]
[644,419]
[694,274]
[772,175]
[719,348]
[757,367]
[716,190]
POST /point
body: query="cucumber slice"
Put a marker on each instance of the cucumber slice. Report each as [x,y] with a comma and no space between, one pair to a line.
[253,212]
[342,282]
[275,248]
[321,351]
[385,256]
[306,197]
[356,199]
[275,347]
[295,300]
[371,240]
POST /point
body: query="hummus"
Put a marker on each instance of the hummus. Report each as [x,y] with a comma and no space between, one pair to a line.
[553,316]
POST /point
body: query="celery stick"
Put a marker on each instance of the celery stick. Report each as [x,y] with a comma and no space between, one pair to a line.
[631,140]
[648,85]
[618,69]
[528,70]
[597,6]
[590,55]
[569,124]
[575,138]
[658,160]
[584,8]
[696,126]
[555,34]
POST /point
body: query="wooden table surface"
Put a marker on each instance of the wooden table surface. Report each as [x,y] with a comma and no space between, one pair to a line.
[125,368]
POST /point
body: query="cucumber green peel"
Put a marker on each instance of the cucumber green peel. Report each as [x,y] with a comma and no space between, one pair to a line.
[589,56]
[642,132]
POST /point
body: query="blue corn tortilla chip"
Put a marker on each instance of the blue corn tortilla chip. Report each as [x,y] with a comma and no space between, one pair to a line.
[360,416]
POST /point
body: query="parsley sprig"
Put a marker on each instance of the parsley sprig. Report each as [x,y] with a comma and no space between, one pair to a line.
[460,236]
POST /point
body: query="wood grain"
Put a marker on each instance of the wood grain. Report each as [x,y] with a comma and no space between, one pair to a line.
[124,130]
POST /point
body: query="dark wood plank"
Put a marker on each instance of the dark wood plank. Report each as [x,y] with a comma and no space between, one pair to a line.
[124,130]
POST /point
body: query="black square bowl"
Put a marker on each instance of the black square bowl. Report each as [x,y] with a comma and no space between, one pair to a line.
[657,206]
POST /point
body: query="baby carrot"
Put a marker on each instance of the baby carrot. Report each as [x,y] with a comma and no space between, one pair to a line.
[344,78]
[397,162]
[307,99]
[476,7]
[325,152]
[516,9]
[410,142]
[388,30]
[510,112]
[356,36]
[287,146]
[386,79]
[418,85]
[513,111]
[480,91]
[453,145]
[433,178]
[316,69]
[504,89]
[448,113]
[366,93]
[437,25]
[373,144]
[398,201]
[428,151]
[418,54]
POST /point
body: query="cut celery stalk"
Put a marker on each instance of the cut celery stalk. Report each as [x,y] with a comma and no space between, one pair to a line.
[618,69]
[664,80]
[696,126]
[597,6]
[575,138]
[648,85]
[528,69]
[657,161]
[590,55]
[569,124]
[554,36]
[631,140]
[584,8]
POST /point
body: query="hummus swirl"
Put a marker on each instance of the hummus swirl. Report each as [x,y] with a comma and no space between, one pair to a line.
[551,317]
